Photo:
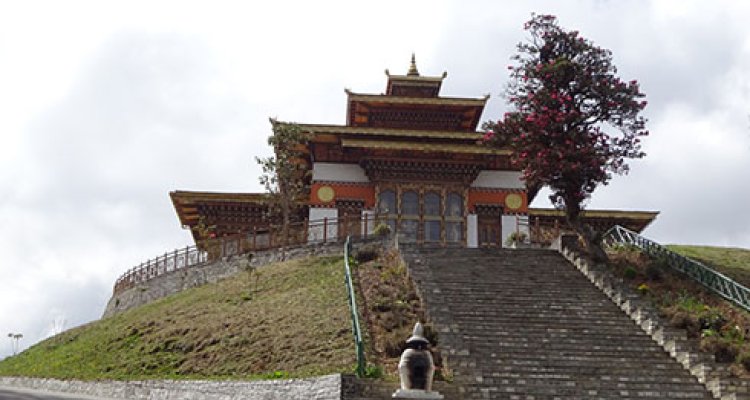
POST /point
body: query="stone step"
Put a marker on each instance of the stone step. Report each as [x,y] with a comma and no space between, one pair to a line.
[558,393]
[526,324]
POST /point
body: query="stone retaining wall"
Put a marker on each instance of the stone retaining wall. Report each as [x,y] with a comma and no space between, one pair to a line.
[329,387]
[190,277]
[320,388]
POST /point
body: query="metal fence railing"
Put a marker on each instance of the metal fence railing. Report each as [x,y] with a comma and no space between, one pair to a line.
[356,330]
[325,230]
[715,281]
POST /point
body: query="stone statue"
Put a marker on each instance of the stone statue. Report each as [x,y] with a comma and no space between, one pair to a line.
[416,368]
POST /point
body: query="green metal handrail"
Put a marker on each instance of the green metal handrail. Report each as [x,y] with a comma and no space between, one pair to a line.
[358,343]
[715,281]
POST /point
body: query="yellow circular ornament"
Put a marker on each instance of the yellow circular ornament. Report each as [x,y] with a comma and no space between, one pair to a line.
[325,194]
[513,201]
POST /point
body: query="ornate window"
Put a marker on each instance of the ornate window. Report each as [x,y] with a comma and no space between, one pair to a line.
[432,217]
[454,217]
[423,215]
[409,215]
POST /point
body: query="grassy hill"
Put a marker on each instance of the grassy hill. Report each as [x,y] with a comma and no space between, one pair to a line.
[288,319]
[732,262]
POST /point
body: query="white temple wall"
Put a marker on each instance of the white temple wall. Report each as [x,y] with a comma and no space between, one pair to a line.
[316,229]
[509,226]
[338,172]
[472,231]
[499,179]
[368,222]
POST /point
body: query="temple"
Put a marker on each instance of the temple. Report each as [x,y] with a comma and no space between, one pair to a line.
[409,159]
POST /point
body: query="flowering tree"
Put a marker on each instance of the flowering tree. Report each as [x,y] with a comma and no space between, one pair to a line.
[574,122]
[284,175]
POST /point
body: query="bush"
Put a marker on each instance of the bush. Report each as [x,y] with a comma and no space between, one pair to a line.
[744,359]
[723,350]
[374,371]
[653,273]
[516,237]
[629,273]
[643,288]
[382,229]
[367,253]
[685,320]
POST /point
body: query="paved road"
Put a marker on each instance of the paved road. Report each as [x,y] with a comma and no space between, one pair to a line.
[25,394]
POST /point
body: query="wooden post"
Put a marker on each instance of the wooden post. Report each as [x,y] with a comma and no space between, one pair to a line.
[306,231]
[325,229]
[255,237]
[343,234]
[557,228]
[365,233]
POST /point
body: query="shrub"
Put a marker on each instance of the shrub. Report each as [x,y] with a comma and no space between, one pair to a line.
[516,237]
[712,319]
[690,303]
[367,253]
[629,273]
[744,359]
[382,229]
[643,288]
[685,320]
[723,350]
[653,273]
[374,371]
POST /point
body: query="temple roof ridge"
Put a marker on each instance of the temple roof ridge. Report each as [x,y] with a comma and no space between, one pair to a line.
[415,99]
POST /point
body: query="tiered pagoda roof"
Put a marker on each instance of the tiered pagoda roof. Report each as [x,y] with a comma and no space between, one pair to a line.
[409,124]
[413,102]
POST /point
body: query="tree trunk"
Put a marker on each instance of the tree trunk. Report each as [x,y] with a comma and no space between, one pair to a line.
[591,238]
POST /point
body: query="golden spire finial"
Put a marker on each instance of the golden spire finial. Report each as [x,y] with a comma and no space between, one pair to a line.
[413,67]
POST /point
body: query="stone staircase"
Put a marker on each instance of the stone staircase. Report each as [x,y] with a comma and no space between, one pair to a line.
[525,324]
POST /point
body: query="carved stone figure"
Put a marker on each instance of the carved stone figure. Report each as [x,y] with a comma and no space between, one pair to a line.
[416,368]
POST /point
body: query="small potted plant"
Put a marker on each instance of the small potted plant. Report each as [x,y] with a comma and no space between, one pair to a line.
[517,240]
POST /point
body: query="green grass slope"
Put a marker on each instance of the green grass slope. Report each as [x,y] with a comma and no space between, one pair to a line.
[288,319]
[732,262]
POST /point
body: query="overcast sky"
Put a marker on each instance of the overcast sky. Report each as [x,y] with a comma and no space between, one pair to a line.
[105,107]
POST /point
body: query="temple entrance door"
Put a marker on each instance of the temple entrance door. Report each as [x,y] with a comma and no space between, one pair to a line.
[490,228]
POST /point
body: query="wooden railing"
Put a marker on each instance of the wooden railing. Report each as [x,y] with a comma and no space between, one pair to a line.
[542,234]
[307,232]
